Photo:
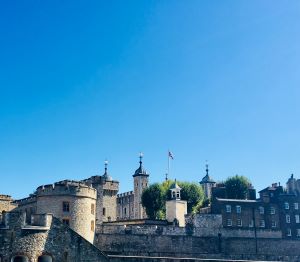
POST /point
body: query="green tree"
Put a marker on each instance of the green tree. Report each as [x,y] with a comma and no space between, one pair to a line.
[155,196]
[153,199]
[193,194]
[237,187]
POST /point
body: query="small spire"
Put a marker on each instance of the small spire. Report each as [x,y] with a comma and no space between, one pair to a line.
[141,158]
[105,166]
[206,168]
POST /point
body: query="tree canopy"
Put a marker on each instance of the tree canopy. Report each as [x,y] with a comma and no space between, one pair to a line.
[155,196]
[153,200]
[237,187]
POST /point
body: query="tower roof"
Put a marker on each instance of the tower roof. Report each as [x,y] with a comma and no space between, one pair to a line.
[175,186]
[207,179]
[141,171]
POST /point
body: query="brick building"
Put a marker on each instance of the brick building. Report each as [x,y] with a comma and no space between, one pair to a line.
[277,208]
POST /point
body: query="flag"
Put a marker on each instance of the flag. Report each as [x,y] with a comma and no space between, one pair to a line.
[171,155]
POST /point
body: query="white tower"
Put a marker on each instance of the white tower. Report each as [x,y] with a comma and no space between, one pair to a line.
[140,180]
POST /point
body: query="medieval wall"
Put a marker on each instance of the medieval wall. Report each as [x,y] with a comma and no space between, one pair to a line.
[50,237]
[6,203]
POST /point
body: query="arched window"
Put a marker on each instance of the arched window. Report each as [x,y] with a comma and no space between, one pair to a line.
[19,259]
[45,258]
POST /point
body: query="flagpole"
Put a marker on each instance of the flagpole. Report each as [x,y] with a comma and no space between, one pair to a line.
[168,164]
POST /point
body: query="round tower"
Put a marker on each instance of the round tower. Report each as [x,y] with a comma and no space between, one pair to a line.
[72,202]
[140,180]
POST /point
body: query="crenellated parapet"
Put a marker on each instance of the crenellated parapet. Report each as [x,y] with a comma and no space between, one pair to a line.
[67,187]
[5,198]
[125,194]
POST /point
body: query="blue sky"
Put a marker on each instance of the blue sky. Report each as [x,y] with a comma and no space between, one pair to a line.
[82,81]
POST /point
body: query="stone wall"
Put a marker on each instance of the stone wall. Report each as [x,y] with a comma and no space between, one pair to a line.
[199,247]
[58,241]
[6,203]
[79,215]
[208,239]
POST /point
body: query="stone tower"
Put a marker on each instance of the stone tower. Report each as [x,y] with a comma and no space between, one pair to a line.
[107,190]
[72,202]
[207,184]
[140,180]
[175,207]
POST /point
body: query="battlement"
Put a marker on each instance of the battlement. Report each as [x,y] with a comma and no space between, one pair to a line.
[26,200]
[67,187]
[130,193]
[111,185]
[99,180]
[5,198]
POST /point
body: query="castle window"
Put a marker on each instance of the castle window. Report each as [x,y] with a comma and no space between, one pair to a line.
[272,210]
[229,222]
[228,208]
[297,219]
[92,225]
[239,222]
[125,211]
[238,209]
[286,205]
[173,194]
[288,218]
[289,232]
[262,223]
[66,221]
[104,211]
[66,206]
[261,210]
[93,209]
[298,232]
[296,206]
[273,223]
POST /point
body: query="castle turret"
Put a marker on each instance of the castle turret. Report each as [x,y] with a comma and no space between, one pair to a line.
[107,190]
[72,202]
[207,184]
[176,208]
[140,180]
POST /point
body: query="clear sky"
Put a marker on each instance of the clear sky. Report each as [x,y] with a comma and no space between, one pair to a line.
[82,81]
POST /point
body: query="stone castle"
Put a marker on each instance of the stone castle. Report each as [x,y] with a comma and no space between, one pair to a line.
[74,220]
